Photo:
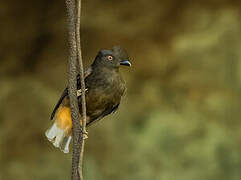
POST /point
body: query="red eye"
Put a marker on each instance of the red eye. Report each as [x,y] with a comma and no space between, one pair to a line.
[110,58]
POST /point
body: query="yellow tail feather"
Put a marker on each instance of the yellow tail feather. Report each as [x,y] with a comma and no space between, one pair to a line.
[60,132]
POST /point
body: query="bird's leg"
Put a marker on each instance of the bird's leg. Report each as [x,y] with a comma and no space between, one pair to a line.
[83,130]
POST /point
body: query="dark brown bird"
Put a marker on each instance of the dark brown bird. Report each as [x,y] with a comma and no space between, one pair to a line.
[104,89]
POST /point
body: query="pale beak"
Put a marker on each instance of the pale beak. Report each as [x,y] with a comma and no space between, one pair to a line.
[125,62]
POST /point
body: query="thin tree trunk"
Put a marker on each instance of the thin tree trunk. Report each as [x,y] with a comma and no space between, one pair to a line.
[74,51]
[83,101]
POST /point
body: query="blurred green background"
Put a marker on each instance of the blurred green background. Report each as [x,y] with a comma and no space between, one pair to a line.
[180,118]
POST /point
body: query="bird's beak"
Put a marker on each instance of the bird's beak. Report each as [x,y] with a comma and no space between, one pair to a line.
[125,62]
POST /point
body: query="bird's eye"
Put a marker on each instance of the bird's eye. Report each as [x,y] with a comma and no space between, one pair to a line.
[110,58]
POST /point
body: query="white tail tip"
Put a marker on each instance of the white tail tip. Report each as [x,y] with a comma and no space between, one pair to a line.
[59,138]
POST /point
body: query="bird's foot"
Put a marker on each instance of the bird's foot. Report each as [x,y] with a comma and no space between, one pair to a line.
[85,134]
[79,92]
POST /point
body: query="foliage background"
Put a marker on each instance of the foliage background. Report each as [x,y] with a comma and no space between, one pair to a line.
[181,116]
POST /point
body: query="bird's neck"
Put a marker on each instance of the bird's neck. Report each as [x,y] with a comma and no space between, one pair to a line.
[106,70]
[108,75]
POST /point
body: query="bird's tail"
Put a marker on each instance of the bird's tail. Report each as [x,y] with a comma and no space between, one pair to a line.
[60,131]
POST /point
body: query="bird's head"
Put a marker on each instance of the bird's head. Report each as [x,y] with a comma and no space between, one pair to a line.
[112,58]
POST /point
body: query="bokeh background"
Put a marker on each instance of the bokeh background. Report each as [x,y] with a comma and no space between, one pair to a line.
[180,118]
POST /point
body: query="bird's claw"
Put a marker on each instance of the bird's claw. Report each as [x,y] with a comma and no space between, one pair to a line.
[79,92]
[85,134]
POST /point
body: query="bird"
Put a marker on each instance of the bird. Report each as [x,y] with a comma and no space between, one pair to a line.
[105,88]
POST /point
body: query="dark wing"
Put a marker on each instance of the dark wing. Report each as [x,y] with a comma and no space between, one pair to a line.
[105,113]
[65,93]
[86,73]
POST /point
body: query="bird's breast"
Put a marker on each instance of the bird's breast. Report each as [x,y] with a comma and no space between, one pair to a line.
[104,92]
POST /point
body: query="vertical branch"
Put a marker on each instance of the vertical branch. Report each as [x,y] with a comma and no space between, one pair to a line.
[83,102]
[74,50]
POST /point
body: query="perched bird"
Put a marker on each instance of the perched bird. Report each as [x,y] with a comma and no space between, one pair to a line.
[104,89]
